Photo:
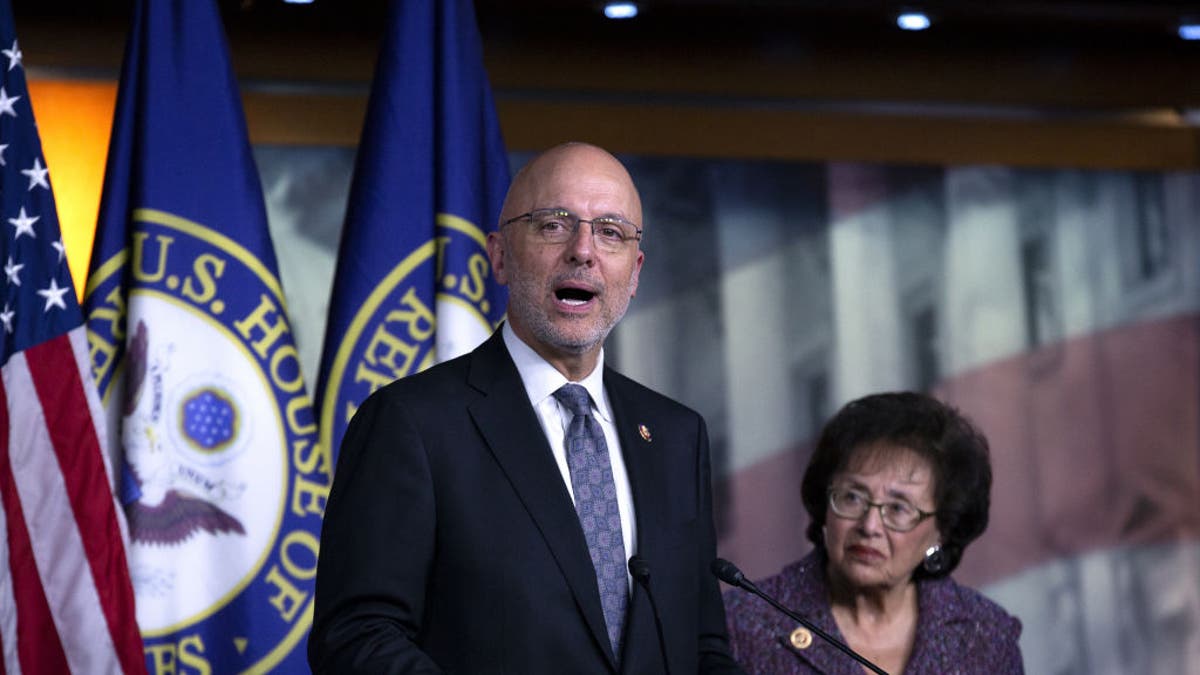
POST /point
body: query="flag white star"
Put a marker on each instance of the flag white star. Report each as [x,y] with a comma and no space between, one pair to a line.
[14,55]
[10,271]
[6,103]
[24,224]
[54,295]
[60,247]
[37,174]
[6,317]
[3,147]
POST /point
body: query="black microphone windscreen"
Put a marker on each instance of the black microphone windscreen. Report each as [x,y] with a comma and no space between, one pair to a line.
[728,572]
[639,569]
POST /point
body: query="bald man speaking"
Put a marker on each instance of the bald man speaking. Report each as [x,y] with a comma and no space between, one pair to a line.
[484,511]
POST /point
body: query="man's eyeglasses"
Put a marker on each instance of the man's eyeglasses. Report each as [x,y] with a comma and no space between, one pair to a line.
[899,516]
[557,226]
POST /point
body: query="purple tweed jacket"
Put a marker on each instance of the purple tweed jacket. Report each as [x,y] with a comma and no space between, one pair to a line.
[959,631]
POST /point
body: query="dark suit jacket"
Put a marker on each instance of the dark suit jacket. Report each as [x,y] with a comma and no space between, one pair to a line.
[450,542]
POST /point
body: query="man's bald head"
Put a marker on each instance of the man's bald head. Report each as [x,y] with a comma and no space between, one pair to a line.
[542,176]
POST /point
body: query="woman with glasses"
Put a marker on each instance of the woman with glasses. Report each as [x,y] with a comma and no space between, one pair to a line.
[898,486]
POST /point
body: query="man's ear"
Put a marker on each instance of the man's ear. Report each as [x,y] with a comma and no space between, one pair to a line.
[637,272]
[495,250]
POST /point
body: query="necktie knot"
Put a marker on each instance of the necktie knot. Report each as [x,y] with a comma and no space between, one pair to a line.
[574,398]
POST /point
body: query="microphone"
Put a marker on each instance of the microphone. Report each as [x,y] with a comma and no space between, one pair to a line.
[640,570]
[730,574]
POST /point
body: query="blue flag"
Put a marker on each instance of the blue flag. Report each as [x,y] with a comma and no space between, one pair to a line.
[223,482]
[413,284]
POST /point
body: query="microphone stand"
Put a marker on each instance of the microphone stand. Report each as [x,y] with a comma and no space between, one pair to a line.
[640,570]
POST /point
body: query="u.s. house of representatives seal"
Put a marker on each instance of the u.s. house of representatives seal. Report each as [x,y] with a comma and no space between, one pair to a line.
[407,323]
[223,481]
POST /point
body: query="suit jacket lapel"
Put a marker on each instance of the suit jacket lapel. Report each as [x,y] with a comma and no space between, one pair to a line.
[510,427]
[641,650]
[646,471]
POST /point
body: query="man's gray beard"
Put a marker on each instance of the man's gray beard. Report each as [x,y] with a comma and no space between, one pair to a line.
[544,330]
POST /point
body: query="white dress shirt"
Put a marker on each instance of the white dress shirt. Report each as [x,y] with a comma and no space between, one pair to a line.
[541,380]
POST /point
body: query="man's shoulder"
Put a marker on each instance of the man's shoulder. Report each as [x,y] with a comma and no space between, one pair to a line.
[448,380]
[627,388]
[433,377]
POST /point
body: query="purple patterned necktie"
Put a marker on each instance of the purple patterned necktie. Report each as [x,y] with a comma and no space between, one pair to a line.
[596,503]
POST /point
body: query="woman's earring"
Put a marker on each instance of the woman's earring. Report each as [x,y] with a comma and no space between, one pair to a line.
[935,560]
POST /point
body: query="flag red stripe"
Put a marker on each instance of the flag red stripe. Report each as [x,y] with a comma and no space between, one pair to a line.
[55,374]
[39,649]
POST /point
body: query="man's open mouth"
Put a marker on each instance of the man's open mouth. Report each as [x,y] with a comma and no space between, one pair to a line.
[574,296]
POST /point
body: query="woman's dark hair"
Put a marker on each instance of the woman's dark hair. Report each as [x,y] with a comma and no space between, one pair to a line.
[955,448]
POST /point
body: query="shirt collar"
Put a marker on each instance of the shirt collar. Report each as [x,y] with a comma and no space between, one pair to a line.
[541,379]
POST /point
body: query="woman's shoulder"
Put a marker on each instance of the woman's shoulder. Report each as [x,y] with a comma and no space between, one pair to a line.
[952,602]
[796,586]
[759,634]
[741,604]
[960,629]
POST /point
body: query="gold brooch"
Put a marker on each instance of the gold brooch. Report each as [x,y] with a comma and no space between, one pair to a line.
[801,638]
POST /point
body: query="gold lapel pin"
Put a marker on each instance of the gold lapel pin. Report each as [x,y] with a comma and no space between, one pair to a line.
[801,638]
[645,432]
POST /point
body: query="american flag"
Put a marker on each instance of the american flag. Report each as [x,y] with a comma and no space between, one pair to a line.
[66,602]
